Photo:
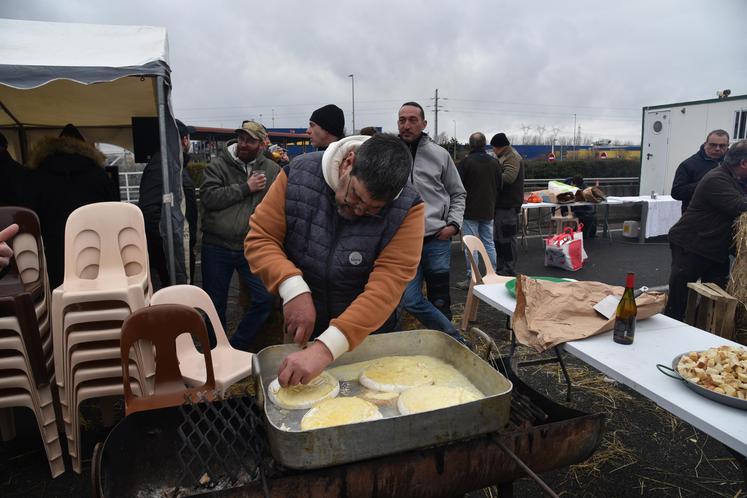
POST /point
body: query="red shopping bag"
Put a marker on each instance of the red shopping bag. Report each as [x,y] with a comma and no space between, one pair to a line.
[565,250]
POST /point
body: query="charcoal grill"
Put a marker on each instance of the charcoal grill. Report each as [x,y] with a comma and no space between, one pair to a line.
[141,456]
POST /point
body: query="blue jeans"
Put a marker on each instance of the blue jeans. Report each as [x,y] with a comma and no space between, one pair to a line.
[218,265]
[482,229]
[434,260]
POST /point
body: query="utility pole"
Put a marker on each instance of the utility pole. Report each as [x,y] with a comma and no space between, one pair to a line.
[574,131]
[273,118]
[352,84]
[455,138]
[435,113]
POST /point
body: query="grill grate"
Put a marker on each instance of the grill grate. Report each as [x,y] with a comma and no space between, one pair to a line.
[222,444]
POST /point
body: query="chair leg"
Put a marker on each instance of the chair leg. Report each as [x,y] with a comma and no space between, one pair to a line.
[473,313]
[467,309]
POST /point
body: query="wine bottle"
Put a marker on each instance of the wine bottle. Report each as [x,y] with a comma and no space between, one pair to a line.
[625,314]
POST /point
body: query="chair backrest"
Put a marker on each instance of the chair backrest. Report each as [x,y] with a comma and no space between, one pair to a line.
[195,297]
[105,241]
[28,264]
[161,325]
[473,244]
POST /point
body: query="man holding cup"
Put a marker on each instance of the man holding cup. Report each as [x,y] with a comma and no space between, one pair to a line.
[235,182]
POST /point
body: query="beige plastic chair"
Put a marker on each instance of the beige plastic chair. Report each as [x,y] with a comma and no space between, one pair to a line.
[106,261]
[18,397]
[474,244]
[560,221]
[229,364]
[98,388]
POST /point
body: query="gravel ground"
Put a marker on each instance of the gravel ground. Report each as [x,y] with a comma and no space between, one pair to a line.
[645,450]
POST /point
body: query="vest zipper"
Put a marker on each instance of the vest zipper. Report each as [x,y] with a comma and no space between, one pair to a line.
[329,265]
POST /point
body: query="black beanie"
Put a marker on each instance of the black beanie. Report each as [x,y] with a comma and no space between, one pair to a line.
[331,118]
[499,140]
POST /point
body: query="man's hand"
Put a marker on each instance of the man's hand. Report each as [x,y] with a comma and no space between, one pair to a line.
[446,232]
[5,251]
[300,317]
[302,367]
[257,182]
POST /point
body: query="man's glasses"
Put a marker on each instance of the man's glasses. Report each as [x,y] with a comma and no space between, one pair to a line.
[359,205]
[717,146]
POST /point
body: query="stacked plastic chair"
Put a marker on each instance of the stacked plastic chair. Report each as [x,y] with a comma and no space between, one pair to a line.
[106,279]
[26,359]
[230,365]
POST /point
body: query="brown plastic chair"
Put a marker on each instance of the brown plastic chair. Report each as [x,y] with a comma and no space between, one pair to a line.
[161,325]
[474,244]
[32,282]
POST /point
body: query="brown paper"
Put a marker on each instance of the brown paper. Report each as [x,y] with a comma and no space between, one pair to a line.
[550,313]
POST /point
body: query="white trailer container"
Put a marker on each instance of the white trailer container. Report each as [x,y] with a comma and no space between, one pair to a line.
[673,132]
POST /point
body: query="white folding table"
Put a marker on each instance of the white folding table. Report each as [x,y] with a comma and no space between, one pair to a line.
[657,341]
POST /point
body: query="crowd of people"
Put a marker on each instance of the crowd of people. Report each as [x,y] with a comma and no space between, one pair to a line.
[348,235]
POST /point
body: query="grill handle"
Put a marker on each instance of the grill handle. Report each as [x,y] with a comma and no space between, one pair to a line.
[525,468]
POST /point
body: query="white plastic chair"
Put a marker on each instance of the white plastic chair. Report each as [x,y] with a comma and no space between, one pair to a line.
[229,364]
[474,244]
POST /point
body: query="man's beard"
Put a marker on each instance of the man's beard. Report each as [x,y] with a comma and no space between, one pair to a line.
[345,215]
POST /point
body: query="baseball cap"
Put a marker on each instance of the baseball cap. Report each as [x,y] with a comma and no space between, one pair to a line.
[253,129]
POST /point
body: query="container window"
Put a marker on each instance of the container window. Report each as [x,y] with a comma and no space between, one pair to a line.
[740,125]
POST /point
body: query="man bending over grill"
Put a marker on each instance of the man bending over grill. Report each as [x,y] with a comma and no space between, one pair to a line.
[338,236]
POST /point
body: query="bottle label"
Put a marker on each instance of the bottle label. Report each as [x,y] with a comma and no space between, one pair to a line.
[624,330]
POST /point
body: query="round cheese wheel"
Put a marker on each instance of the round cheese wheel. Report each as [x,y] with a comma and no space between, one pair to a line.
[396,374]
[427,398]
[339,411]
[304,396]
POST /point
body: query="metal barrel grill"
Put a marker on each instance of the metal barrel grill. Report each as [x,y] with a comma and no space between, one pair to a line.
[221,449]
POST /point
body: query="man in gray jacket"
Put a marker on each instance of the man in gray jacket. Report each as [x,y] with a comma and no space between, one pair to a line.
[235,182]
[436,179]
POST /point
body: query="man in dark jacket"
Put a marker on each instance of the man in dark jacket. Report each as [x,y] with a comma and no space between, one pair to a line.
[235,182]
[13,176]
[68,173]
[693,169]
[701,239]
[508,204]
[150,201]
[481,177]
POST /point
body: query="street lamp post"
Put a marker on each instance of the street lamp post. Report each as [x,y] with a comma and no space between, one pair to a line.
[352,86]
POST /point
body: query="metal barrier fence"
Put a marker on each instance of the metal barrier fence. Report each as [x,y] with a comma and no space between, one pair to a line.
[129,184]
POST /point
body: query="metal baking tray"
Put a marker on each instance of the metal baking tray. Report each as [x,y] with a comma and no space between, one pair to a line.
[349,443]
[721,398]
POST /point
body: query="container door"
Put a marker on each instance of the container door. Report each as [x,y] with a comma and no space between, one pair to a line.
[655,153]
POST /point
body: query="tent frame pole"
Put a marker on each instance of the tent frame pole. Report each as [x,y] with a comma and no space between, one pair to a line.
[168,196]
[22,142]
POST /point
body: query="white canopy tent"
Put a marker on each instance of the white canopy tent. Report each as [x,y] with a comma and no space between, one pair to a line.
[97,77]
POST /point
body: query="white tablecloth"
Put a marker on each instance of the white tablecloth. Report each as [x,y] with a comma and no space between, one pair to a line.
[661,213]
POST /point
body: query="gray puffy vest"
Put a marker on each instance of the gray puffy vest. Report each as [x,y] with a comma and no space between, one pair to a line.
[335,255]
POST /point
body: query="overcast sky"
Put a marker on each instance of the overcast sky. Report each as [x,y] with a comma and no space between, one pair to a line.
[498,65]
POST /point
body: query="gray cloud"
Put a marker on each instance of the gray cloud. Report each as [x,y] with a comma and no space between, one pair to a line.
[498,64]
